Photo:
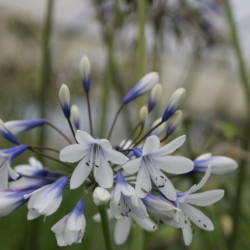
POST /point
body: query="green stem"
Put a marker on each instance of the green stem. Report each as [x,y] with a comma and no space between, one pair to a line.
[242,174]
[71,127]
[142,4]
[105,227]
[89,112]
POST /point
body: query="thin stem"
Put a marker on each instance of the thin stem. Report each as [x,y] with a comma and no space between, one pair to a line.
[105,227]
[89,113]
[242,174]
[71,127]
[114,121]
[131,134]
[59,131]
[39,177]
[49,157]
[45,148]
[137,137]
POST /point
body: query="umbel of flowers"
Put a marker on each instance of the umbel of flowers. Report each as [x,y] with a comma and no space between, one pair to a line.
[132,179]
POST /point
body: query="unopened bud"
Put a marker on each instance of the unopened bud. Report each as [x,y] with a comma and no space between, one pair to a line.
[85,71]
[75,116]
[64,98]
[176,100]
[160,128]
[154,96]
[143,114]
[174,122]
[101,196]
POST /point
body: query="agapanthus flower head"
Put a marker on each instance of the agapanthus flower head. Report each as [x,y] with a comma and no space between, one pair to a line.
[142,87]
[7,134]
[85,71]
[20,126]
[64,98]
[93,154]
[11,199]
[47,199]
[6,157]
[75,116]
[219,164]
[70,229]
[176,100]
[154,96]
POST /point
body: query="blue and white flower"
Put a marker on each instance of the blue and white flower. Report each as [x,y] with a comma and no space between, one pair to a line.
[34,169]
[64,98]
[189,213]
[125,206]
[151,163]
[6,157]
[219,164]
[46,200]
[143,86]
[93,154]
[11,199]
[20,126]
[85,71]
[154,96]
[70,229]
[7,134]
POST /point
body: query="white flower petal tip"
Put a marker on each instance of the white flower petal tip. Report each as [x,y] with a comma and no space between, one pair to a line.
[175,101]
[64,98]
[85,71]
[219,165]
[70,229]
[142,87]
[101,196]
[46,200]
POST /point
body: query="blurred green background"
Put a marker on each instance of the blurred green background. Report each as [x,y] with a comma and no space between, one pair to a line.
[191,44]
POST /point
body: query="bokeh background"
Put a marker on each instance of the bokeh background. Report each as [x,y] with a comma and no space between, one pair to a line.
[189,42]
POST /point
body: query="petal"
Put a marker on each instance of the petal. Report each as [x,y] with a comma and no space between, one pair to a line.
[206,198]
[132,166]
[104,174]
[173,164]
[114,156]
[187,235]
[197,217]
[203,156]
[151,144]
[4,177]
[80,174]
[143,183]
[73,153]
[122,229]
[171,146]
[12,173]
[147,224]
[83,137]
[59,226]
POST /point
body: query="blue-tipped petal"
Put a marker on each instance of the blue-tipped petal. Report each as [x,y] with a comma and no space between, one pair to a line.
[85,71]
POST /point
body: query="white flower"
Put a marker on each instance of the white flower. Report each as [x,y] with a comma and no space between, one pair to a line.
[34,169]
[70,229]
[189,213]
[11,199]
[85,71]
[101,196]
[46,200]
[125,206]
[93,154]
[153,161]
[219,164]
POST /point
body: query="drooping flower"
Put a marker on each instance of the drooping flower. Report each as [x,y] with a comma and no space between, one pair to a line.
[143,86]
[6,157]
[70,229]
[219,164]
[34,169]
[190,213]
[125,206]
[93,154]
[152,161]
[11,199]
[75,116]
[46,200]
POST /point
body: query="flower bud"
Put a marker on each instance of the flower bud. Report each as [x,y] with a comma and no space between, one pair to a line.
[75,116]
[159,129]
[64,98]
[85,71]
[154,96]
[173,122]
[143,86]
[101,196]
[143,114]
[176,100]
